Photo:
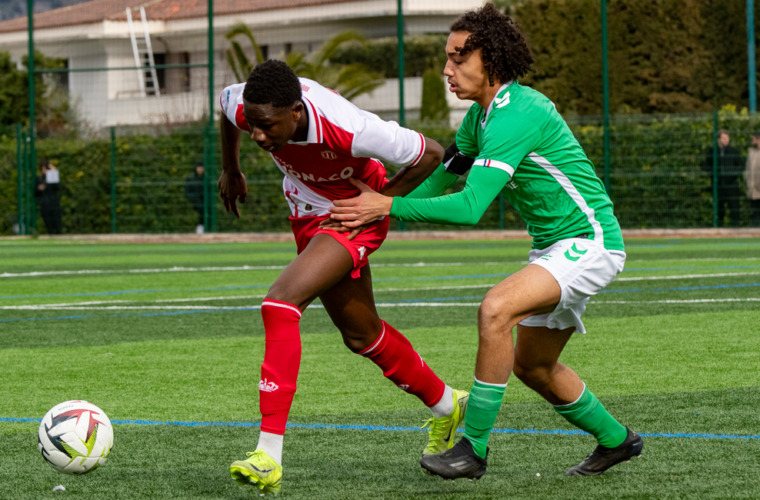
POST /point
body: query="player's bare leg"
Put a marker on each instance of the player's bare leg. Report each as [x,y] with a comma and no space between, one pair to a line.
[532,290]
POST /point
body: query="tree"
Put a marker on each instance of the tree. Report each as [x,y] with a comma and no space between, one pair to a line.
[434,105]
[350,80]
[14,99]
[236,55]
[50,104]
[665,56]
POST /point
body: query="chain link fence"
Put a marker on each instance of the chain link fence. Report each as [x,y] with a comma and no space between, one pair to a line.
[125,152]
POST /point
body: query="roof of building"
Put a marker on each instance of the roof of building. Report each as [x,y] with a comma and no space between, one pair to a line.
[96,11]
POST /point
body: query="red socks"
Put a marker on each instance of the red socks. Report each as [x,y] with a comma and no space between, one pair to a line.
[400,363]
[392,352]
[282,359]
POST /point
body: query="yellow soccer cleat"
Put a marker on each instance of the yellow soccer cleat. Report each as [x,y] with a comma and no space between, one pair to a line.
[259,470]
[441,430]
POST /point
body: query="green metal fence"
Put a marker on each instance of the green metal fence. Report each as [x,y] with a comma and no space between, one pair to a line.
[132,181]
[127,178]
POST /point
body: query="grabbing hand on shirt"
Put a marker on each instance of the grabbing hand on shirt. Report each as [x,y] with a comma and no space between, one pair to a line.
[363,209]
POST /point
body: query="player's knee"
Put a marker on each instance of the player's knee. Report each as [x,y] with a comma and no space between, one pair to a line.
[494,314]
[357,340]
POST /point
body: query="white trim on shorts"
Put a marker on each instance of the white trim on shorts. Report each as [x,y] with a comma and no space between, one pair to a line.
[582,268]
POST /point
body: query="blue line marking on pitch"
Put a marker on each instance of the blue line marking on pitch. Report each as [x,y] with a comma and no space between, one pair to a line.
[167,313]
[123,292]
[397,428]
[378,280]
[409,301]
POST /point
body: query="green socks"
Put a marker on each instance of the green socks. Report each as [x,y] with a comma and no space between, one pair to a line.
[588,414]
[482,408]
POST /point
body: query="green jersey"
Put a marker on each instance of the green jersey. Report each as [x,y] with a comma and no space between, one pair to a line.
[522,147]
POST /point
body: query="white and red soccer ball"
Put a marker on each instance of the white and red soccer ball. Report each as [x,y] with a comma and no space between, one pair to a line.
[75,437]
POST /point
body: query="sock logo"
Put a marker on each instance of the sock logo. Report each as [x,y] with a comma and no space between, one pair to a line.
[266,386]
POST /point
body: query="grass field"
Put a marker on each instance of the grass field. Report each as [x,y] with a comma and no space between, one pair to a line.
[167,339]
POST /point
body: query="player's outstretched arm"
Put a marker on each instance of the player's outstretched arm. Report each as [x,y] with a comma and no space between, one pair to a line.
[232,185]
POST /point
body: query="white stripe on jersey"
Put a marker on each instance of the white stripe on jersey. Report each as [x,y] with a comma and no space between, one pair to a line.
[570,189]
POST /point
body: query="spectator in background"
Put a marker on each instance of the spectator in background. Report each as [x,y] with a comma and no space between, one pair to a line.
[194,193]
[48,198]
[752,176]
[730,166]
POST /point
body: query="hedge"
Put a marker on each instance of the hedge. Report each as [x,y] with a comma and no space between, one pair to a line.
[656,177]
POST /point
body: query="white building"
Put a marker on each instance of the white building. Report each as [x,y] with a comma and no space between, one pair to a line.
[96,34]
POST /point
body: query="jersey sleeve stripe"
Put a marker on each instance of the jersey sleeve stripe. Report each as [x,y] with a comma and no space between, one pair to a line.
[422,150]
[240,121]
[484,162]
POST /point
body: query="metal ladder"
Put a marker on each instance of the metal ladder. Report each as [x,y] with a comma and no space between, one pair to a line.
[143,51]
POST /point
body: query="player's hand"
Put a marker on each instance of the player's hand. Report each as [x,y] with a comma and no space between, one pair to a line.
[363,209]
[232,188]
[338,227]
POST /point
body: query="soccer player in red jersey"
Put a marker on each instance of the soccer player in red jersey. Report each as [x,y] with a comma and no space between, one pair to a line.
[319,141]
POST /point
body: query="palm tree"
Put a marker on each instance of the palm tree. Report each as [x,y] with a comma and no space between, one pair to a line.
[236,56]
[349,80]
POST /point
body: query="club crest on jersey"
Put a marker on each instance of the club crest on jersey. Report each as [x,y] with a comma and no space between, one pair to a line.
[266,386]
[329,155]
[500,102]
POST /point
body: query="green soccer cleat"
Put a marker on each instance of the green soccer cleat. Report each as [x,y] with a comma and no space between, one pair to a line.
[441,430]
[259,470]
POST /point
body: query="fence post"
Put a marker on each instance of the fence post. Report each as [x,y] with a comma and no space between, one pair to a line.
[113,180]
[752,80]
[715,168]
[20,177]
[30,182]
[209,214]
[605,99]
[209,184]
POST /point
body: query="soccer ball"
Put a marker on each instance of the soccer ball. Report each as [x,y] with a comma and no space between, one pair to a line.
[75,437]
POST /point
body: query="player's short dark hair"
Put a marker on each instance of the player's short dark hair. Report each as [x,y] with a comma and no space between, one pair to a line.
[272,82]
[756,133]
[505,52]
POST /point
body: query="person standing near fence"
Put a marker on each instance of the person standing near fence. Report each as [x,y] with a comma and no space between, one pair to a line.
[730,167]
[48,197]
[319,141]
[194,193]
[516,141]
[752,178]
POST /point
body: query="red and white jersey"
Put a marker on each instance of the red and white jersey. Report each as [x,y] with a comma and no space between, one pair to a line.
[343,141]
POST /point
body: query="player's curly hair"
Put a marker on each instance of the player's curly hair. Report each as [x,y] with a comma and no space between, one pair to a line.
[505,52]
[272,82]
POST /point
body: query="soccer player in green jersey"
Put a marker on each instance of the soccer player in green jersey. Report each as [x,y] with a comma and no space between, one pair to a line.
[515,140]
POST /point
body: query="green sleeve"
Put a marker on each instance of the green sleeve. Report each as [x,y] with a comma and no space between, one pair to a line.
[465,207]
[436,183]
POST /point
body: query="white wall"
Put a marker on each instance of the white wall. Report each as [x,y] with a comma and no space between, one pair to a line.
[110,98]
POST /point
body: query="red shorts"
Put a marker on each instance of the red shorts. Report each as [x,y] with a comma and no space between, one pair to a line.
[360,248]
